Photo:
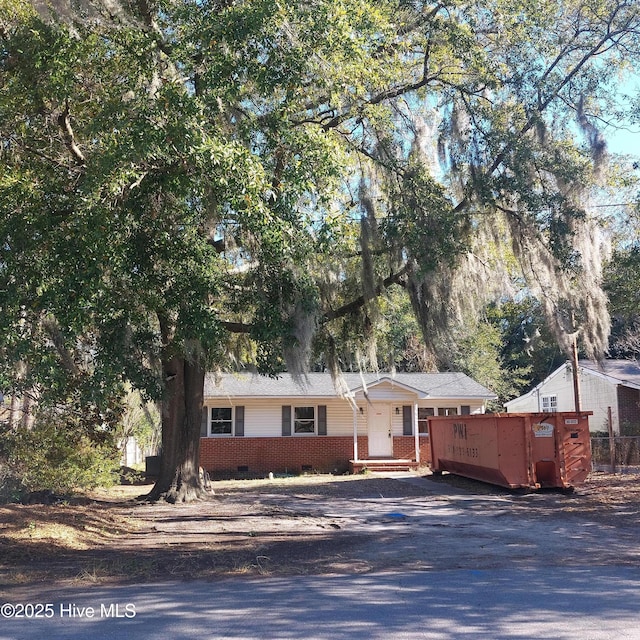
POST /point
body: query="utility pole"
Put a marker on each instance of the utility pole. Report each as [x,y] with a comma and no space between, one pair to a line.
[574,367]
[576,379]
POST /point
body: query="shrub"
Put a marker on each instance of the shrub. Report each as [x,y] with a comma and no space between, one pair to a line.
[11,488]
[57,456]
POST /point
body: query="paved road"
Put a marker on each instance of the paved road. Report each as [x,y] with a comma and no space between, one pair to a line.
[562,603]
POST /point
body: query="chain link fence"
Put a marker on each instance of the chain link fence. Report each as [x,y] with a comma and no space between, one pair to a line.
[623,455]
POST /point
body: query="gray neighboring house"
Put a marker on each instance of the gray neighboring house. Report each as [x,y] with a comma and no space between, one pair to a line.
[612,384]
[256,424]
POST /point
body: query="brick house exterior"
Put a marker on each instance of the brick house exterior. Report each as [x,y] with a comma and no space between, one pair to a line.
[255,425]
[613,384]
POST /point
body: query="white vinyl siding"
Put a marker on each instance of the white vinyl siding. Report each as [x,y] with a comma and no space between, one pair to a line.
[597,393]
[388,392]
[340,418]
[397,417]
[263,416]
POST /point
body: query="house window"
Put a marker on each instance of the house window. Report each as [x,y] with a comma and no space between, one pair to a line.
[423,415]
[549,404]
[221,421]
[304,420]
[447,411]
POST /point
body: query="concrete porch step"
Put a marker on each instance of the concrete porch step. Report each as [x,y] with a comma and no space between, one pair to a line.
[382,464]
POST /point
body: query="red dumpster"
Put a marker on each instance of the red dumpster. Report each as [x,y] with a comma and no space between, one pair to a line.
[514,450]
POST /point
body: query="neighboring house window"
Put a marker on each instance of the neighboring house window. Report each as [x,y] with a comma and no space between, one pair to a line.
[549,404]
[447,411]
[423,415]
[304,420]
[221,421]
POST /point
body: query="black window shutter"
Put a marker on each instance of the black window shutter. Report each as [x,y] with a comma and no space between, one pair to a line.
[465,410]
[286,420]
[239,426]
[407,420]
[322,420]
[203,422]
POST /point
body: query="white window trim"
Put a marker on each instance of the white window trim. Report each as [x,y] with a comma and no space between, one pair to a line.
[315,420]
[435,413]
[210,422]
[552,401]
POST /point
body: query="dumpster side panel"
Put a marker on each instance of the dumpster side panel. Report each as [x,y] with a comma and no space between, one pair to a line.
[545,449]
[523,450]
[482,447]
[514,451]
[561,449]
[576,449]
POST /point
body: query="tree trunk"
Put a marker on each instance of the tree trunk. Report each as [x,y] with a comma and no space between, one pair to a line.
[179,479]
[14,411]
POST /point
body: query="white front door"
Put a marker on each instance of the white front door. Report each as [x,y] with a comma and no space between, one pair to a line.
[379,431]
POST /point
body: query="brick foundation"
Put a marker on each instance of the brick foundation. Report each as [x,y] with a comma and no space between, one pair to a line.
[405,447]
[326,454]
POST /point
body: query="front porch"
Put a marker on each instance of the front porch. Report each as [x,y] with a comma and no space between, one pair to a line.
[386,449]
[383,464]
[402,458]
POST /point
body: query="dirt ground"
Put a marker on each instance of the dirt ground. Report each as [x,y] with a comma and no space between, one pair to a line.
[317,524]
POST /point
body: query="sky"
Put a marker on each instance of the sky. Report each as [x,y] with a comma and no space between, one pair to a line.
[625,141]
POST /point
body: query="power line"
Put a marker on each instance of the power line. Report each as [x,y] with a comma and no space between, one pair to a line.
[617,204]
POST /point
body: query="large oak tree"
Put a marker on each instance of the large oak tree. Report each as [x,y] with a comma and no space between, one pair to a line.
[190,184]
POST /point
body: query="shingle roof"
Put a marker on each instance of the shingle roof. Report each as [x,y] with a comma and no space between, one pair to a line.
[625,372]
[433,385]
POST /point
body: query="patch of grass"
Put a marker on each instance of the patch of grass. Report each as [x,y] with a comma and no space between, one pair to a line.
[56,533]
[260,565]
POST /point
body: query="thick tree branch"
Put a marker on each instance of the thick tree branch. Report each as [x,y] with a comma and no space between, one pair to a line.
[69,139]
[50,325]
[395,92]
[334,314]
[360,301]
[237,327]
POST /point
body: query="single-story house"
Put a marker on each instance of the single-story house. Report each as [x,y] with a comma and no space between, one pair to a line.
[613,384]
[256,424]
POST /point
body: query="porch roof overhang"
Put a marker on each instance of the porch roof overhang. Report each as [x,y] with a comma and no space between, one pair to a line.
[363,389]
